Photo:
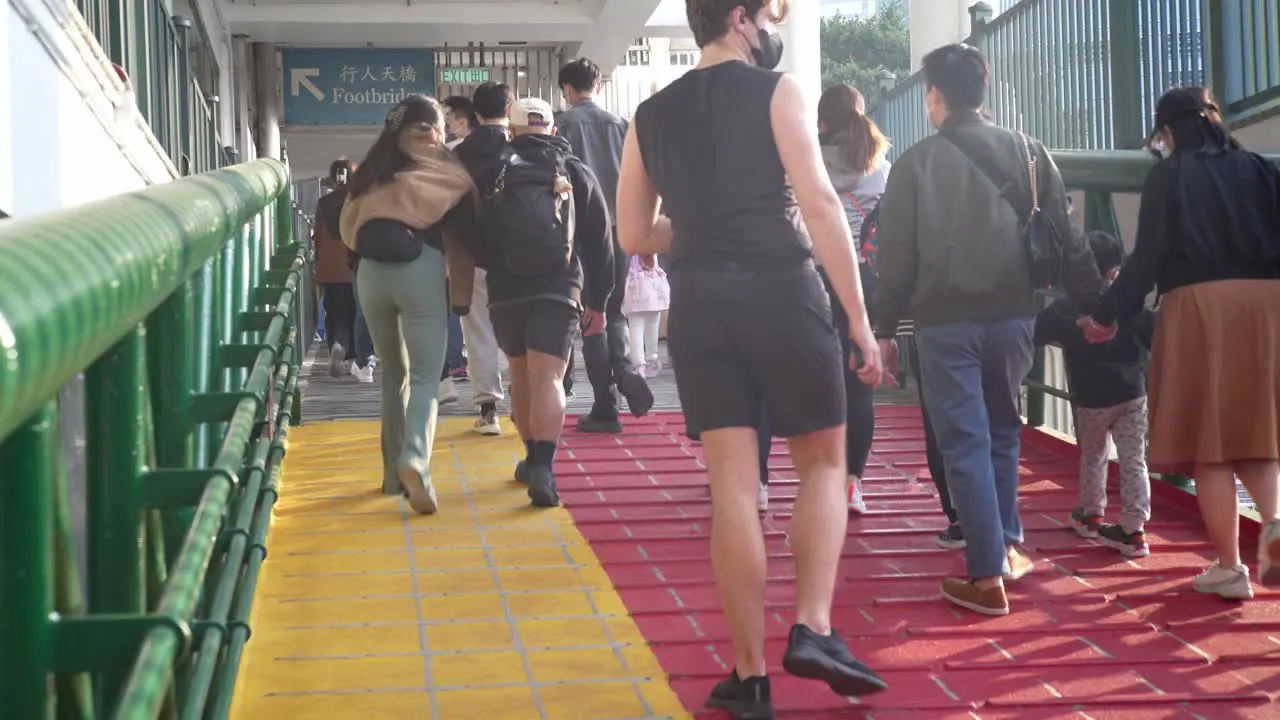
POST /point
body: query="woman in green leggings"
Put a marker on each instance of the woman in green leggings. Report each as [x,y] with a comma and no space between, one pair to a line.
[410,212]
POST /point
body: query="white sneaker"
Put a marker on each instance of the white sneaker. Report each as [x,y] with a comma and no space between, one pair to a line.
[857,505]
[1226,583]
[1269,554]
[487,424]
[448,393]
[363,374]
[762,497]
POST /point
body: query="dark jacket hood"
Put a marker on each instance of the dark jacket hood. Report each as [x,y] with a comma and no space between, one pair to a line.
[536,148]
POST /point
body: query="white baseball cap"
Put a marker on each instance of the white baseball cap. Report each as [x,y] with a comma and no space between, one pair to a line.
[524,107]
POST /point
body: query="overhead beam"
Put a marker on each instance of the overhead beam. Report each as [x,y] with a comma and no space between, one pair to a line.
[506,14]
[617,24]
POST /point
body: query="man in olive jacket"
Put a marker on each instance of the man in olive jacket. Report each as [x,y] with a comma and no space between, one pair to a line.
[953,257]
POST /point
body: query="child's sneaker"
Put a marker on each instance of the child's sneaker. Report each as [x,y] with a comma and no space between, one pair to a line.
[1132,544]
[1086,526]
[1226,583]
[857,505]
[1269,554]
[952,538]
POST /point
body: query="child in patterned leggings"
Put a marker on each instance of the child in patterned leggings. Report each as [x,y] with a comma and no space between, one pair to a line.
[1108,390]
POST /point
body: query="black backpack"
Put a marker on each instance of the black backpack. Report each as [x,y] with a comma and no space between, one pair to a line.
[1042,241]
[527,217]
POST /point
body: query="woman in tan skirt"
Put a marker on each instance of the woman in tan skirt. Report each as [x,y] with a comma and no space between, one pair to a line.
[1209,244]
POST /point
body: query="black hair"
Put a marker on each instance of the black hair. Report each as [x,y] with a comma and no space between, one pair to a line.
[843,111]
[337,167]
[386,157]
[708,19]
[581,74]
[961,73]
[491,101]
[1108,253]
[1194,120]
[462,106]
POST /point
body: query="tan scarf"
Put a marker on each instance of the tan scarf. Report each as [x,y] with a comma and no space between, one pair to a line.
[419,197]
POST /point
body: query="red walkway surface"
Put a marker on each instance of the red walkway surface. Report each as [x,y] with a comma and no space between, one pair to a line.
[1091,635]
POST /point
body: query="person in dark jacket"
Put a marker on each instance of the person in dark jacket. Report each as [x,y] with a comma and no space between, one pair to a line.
[1209,243]
[953,257]
[1109,393]
[536,318]
[334,276]
[596,136]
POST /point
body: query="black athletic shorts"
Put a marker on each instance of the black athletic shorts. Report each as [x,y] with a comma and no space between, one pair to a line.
[542,325]
[740,340]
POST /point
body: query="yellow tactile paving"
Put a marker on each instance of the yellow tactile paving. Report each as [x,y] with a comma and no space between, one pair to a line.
[488,611]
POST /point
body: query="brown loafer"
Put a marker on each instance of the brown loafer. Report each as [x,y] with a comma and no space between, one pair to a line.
[962,592]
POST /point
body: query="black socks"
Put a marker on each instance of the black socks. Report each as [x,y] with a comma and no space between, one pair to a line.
[486,408]
[543,453]
[528,451]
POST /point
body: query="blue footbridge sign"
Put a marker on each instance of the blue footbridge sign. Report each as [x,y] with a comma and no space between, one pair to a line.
[352,86]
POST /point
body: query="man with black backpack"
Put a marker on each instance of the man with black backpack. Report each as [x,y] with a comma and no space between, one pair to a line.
[546,245]
[973,222]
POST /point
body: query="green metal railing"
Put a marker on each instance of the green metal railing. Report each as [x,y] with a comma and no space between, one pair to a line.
[155,51]
[177,303]
[1085,74]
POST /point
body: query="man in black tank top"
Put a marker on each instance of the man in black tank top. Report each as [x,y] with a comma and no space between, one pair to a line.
[748,309]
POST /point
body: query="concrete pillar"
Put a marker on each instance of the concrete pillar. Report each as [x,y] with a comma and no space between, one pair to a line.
[241,97]
[802,38]
[267,83]
[935,23]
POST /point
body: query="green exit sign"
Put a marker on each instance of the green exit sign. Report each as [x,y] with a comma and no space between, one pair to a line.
[470,76]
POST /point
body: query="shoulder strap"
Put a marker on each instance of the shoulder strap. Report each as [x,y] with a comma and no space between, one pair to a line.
[856,205]
[1006,187]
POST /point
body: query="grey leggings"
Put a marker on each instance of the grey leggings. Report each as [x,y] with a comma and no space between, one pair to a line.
[407,312]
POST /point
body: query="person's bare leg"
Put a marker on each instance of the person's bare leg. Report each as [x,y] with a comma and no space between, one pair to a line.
[545,374]
[819,524]
[546,396]
[519,371]
[737,543]
[1262,479]
[1219,508]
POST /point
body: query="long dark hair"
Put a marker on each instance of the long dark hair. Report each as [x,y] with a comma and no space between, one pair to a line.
[842,112]
[1193,119]
[386,157]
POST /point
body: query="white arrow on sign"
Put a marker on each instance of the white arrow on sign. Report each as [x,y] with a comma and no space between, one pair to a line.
[301,78]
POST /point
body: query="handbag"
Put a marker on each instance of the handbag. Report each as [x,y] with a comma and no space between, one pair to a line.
[1042,241]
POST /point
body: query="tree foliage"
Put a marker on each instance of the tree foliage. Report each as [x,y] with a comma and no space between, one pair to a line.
[857,51]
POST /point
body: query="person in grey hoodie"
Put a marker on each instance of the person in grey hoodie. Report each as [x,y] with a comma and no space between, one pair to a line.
[854,149]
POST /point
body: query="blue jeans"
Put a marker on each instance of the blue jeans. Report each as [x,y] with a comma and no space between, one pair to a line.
[453,357]
[363,340]
[972,373]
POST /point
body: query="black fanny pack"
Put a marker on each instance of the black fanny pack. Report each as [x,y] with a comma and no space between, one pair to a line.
[391,241]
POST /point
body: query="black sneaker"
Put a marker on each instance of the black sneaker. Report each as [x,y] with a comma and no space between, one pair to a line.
[952,538]
[588,424]
[1127,544]
[749,699]
[637,392]
[826,658]
[522,472]
[542,486]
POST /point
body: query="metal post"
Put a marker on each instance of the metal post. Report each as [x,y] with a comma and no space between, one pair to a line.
[1126,75]
[171,355]
[116,394]
[28,469]
[186,141]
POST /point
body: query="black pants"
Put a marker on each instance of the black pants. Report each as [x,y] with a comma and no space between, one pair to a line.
[860,409]
[568,370]
[607,355]
[933,455]
[340,317]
